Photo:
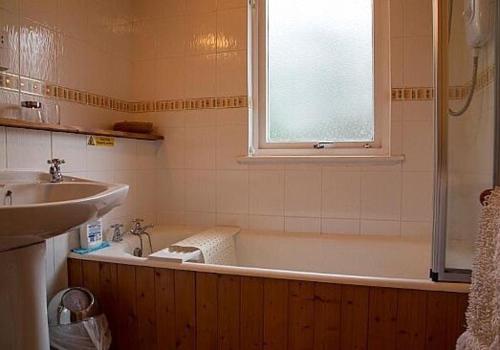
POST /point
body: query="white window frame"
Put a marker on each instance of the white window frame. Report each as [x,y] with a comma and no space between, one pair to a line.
[257,86]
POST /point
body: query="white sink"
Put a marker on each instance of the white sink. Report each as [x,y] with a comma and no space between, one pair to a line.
[33,209]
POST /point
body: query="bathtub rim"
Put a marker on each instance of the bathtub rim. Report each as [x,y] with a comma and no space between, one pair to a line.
[369,281]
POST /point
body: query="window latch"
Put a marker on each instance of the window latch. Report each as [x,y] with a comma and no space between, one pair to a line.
[321,145]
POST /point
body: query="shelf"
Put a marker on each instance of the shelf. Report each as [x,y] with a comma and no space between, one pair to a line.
[15,123]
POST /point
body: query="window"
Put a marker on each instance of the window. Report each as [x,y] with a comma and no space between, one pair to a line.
[319,77]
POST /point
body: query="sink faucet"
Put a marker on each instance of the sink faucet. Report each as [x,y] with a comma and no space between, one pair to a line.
[139,230]
[55,170]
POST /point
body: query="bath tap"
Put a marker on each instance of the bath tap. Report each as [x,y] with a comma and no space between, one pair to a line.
[117,233]
[139,230]
[55,170]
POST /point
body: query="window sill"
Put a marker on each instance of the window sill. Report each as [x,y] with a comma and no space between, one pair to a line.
[376,160]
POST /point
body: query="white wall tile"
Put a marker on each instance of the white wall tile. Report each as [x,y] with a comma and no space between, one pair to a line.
[232,192]
[232,142]
[267,192]
[240,220]
[28,149]
[146,192]
[341,194]
[418,140]
[171,153]
[171,190]
[417,17]
[200,148]
[72,148]
[417,196]
[198,218]
[416,229]
[301,224]
[171,218]
[146,154]
[99,158]
[340,226]
[125,154]
[303,193]
[200,190]
[231,73]
[200,73]
[129,207]
[418,110]
[380,227]
[231,34]
[266,223]
[418,61]
[381,195]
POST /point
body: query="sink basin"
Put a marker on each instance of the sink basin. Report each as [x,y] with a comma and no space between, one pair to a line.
[33,209]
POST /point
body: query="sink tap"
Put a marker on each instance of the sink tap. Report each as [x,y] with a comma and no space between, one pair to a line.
[55,170]
[117,233]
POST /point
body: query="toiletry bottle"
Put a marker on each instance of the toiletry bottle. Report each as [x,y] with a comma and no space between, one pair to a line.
[91,234]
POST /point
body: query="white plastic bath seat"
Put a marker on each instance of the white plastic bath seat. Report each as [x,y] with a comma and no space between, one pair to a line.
[212,246]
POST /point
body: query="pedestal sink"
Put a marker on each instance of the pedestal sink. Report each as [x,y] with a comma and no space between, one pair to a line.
[31,210]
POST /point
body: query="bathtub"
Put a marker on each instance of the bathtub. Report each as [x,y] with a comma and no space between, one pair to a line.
[360,260]
[286,291]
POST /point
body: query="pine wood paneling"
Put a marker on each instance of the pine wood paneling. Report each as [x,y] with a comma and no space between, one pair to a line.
[185,310]
[300,315]
[108,281]
[252,313]
[411,320]
[442,320]
[173,309]
[165,308]
[275,314]
[462,302]
[127,309]
[327,307]
[206,311]
[91,277]
[228,306]
[383,308]
[354,322]
[75,275]
[146,315]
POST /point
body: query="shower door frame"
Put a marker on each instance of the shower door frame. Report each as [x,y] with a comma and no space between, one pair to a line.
[438,271]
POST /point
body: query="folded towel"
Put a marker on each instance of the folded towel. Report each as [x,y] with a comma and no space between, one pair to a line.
[483,312]
[216,245]
[104,244]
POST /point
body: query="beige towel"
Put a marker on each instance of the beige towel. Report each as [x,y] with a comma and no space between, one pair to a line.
[216,245]
[483,312]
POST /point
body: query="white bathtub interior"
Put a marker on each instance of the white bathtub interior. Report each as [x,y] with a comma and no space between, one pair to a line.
[331,254]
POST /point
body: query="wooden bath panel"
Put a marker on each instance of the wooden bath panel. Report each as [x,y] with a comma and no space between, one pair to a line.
[151,308]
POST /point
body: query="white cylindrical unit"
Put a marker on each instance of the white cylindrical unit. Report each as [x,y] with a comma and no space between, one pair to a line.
[23,299]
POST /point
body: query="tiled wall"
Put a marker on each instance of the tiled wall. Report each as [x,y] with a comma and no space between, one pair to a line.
[129,161]
[202,183]
[80,44]
[189,49]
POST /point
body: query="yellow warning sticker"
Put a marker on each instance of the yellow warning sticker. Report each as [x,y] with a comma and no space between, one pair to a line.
[101,141]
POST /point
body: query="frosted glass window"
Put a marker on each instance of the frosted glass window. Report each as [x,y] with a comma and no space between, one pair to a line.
[320,71]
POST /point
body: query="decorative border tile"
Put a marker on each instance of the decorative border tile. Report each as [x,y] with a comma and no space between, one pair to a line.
[484,79]
[25,85]
[412,94]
